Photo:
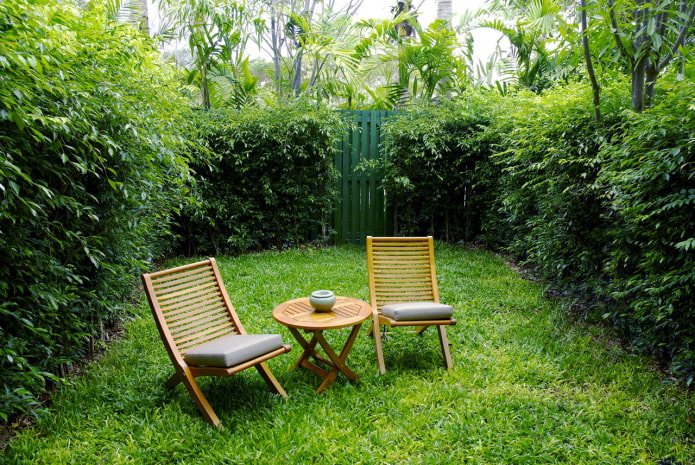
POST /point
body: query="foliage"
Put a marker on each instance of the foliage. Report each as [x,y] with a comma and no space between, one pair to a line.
[438,169]
[550,158]
[318,51]
[527,386]
[217,33]
[265,179]
[649,183]
[541,40]
[645,39]
[605,211]
[88,173]
[428,68]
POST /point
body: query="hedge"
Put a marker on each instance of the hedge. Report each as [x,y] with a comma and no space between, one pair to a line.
[89,171]
[264,178]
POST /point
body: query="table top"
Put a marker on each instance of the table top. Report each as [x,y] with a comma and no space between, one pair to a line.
[298,313]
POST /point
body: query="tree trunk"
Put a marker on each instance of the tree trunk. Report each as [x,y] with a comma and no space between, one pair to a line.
[651,74]
[139,17]
[444,10]
[275,46]
[297,78]
[638,77]
[595,88]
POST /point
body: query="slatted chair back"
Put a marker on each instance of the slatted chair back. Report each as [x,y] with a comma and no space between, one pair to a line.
[191,306]
[403,280]
[194,314]
[401,270]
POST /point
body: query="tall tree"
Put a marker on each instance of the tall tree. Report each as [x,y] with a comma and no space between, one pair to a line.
[140,17]
[648,36]
[289,22]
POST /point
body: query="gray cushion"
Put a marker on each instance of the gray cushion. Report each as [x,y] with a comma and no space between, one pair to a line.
[232,350]
[418,311]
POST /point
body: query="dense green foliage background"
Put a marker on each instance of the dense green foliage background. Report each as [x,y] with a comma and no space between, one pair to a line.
[648,179]
[439,170]
[89,134]
[606,210]
[601,211]
[264,178]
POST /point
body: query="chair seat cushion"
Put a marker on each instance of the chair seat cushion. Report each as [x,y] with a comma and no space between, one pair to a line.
[418,311]
[232,350]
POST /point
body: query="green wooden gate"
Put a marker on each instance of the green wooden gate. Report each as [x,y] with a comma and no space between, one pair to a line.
[362,207]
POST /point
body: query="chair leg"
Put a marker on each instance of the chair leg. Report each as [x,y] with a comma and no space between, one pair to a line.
[444,342]
[173,380]
[376,332]
[270,378]
[199,398]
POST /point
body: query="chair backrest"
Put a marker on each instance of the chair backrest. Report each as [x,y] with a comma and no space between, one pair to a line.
[401,269]
[191,306]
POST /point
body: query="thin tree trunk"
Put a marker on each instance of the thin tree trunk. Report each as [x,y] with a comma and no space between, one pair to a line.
[595,88]
[139,17]
[651,73]
[276,53]
[638,77]
[444,10]
[297,78]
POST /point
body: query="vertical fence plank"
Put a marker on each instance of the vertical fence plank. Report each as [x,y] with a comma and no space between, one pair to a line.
[362,208]
[361,177]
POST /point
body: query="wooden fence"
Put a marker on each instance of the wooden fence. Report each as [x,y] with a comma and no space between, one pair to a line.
[362,207]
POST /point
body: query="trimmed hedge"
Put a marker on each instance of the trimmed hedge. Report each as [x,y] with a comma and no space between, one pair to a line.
[605,212]
[602,211]
[439,171]
[264,179]
[88,173]
[649,180]
[551,159]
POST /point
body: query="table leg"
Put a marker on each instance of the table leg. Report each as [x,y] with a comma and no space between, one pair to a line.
[309,351]
[338,361]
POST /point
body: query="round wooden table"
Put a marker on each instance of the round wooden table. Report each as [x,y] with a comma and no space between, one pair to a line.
[298,315]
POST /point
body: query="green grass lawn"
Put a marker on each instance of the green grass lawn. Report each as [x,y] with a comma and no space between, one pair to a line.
[528,386]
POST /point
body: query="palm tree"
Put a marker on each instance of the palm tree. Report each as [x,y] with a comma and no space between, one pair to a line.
[217,33]
[131,11]
[534,30]
[140,18]
[444,10]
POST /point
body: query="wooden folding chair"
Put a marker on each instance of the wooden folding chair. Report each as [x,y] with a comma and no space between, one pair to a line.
[403,290]
[202,332]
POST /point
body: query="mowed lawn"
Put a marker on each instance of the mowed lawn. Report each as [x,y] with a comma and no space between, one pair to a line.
[529,385]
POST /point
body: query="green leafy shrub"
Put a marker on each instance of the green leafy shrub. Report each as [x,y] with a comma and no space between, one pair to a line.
[556,215]
[438,170]
[606,210]
[649,179]
[264,179]
[88,174]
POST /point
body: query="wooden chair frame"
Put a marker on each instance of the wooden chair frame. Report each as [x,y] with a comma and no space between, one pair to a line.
[400,270]
[191,307]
